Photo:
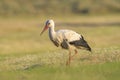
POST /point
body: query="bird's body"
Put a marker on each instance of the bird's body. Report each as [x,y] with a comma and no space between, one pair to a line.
[67,39]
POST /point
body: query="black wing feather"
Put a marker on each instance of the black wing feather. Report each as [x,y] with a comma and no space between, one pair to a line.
[81,43]
[55,43]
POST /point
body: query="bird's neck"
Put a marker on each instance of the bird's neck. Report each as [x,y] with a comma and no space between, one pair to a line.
[52,33]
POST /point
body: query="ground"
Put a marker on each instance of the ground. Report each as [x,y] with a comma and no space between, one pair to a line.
[25,55]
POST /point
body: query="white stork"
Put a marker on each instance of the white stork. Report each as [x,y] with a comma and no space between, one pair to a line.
[67,39]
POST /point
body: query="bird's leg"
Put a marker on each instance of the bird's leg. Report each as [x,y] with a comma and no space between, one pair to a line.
[75,53]
[70,57]
[69,60]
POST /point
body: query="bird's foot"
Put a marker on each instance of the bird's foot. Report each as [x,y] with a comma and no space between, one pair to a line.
[67,63]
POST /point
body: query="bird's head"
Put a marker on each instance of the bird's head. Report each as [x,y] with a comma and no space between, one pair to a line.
[48,24]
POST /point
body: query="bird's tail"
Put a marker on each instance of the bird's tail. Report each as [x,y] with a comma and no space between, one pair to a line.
[85,44]
[81,43]
[88,48]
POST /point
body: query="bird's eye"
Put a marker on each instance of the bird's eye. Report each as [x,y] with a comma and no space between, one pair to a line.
[48,23]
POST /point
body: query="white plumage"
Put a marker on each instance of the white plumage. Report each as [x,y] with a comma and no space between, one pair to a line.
[68,34]
[67,39]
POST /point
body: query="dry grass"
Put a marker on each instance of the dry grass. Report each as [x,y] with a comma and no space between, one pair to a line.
[22,50]
[58,58]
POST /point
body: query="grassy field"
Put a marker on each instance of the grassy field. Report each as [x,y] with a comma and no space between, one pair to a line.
[58,7]
[25,55]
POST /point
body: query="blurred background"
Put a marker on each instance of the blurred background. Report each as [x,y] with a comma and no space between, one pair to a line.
[25,55]
[58,7]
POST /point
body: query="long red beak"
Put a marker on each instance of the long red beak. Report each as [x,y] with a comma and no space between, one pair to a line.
[45,28]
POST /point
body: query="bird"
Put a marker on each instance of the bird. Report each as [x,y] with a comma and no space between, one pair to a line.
[66,39]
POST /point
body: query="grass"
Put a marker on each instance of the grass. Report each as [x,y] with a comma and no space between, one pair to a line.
[26,55]
[42,7]
[83,72]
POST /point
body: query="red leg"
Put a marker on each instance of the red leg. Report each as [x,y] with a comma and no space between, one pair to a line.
[70,57]
[69,60]
[75,53]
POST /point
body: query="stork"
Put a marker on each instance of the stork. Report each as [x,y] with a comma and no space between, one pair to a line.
[67,39]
